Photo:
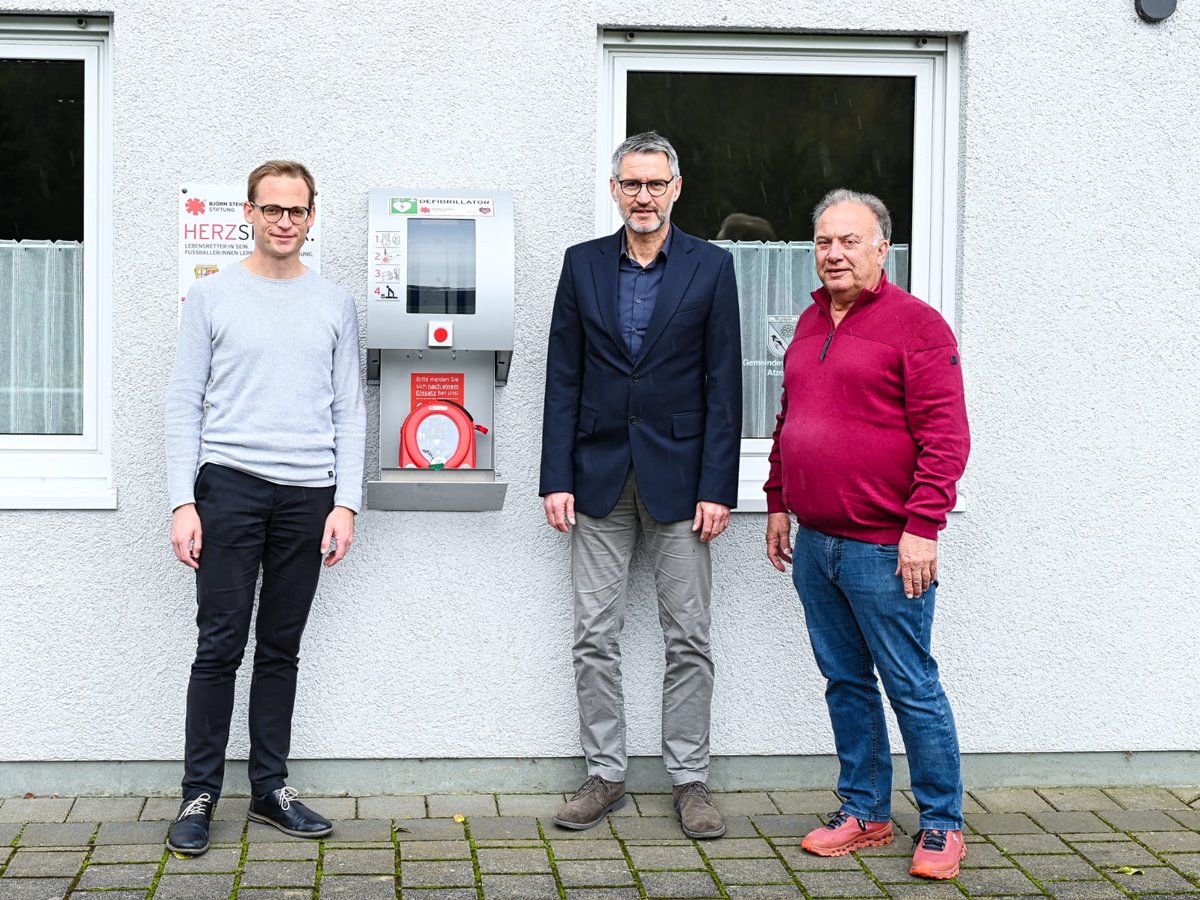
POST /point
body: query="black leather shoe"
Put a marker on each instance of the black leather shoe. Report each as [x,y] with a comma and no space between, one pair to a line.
[282,810]
[188,834]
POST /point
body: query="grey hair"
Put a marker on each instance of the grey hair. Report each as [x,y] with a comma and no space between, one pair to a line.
[646,142]
[883,218]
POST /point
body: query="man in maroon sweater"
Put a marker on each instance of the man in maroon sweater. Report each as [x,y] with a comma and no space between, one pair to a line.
[870,441]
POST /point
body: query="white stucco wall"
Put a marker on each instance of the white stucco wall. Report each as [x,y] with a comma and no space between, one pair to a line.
[1068,611]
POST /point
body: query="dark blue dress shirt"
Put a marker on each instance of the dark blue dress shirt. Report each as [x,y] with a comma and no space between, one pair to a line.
[637,292]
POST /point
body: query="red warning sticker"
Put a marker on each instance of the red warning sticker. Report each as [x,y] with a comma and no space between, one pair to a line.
[428,386]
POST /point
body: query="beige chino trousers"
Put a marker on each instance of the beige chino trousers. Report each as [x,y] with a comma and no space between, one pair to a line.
[601,549]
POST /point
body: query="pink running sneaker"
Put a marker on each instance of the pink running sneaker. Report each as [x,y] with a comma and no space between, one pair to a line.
[938,854]
[844,833]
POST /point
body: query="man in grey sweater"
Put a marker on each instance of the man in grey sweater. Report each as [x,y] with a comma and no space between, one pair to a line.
[265,429]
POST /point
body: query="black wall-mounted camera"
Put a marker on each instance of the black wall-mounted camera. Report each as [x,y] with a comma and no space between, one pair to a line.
[1154,10]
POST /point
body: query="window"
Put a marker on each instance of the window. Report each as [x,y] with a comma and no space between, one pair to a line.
[55,296]
[765,125]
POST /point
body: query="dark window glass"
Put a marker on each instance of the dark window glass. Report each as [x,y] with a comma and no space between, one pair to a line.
[41,149]
[757,153]
[770,146]
[441,266]
[41,254]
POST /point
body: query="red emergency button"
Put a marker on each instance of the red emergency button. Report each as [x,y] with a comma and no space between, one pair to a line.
[441,334]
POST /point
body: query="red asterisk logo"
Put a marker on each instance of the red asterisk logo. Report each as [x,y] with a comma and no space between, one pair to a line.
[195,206]
[424,209]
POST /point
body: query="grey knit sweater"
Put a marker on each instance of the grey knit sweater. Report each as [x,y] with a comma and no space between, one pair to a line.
[266,380]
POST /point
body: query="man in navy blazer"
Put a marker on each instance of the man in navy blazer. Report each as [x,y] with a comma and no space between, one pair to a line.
[641,436]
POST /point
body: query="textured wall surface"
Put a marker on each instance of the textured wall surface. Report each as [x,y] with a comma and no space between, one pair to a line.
[1068,617]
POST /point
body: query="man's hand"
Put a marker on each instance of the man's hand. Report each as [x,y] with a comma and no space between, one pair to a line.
[711,519]
[779,539]
[560,510]
[185,535]
[339,534]
[917,564]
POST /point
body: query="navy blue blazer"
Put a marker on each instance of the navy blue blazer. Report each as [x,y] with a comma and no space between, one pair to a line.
[675,414]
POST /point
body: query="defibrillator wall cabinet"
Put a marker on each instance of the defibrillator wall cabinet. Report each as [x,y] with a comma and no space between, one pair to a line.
[439,341]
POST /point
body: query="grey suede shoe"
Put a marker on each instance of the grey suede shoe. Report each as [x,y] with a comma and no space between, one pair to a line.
[699,817]
[591,803]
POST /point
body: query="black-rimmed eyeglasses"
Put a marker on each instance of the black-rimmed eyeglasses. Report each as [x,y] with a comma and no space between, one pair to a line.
[272,213]
[631,188]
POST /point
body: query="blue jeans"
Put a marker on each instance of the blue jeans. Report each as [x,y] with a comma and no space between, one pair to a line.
[860,623]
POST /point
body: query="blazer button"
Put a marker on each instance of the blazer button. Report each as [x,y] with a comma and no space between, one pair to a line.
[636,376]
[633,420]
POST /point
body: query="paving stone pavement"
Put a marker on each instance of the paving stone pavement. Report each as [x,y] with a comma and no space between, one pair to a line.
[1086,843]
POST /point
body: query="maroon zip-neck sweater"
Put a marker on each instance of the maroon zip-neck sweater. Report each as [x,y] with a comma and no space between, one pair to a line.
[872,433]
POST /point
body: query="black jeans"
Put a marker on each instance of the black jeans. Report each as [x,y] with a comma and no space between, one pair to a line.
[249,524]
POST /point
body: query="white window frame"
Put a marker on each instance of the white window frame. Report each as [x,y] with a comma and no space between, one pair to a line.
[934,63]
[52,471]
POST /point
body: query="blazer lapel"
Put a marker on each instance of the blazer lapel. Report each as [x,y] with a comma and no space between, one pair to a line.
[681,266]
[604,278]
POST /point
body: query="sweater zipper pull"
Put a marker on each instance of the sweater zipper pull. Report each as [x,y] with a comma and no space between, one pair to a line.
[826,347]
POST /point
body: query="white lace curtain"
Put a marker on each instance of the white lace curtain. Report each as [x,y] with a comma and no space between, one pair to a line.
[774,282]
[41,337]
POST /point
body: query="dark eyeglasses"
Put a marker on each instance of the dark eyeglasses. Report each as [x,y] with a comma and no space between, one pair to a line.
[631,188]
[272,213]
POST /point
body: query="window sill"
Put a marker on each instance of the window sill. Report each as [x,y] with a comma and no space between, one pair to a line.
[57,493]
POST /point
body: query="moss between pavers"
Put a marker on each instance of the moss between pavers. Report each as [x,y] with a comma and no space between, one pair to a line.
[506,860]
[1116,853]
[740,848]
[1161,842]
[106,809]
[816,802]
[494,829]
[538,805]
[750,871]
[1058,868]
[57,834]
[398,807]
[1085,890]
[522,887]
[218,860]
[118,875]
[764,892]
[41,888]
[1078,798]
[1002,823]
[677,855]
[176,887]
[358,887]
[681,884]
[429,830]
[601,848]
[712,872]
[840,884]
[343,861]
[359,830]
[1071,822]
[18,810]
[1002,800]
[276,852]
[439,873]
[44,864]
[1140,820]
[1144,797]
[279,873]
[419,850]
[594,873]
